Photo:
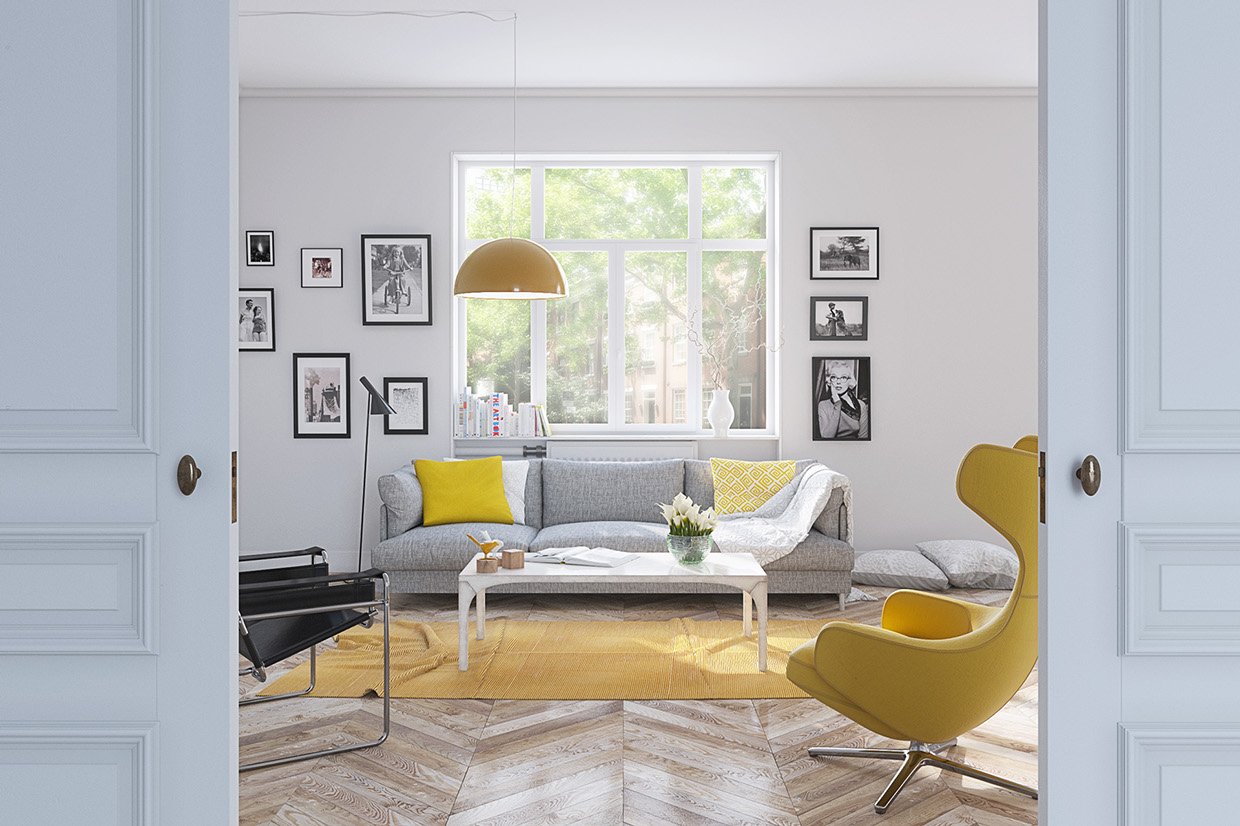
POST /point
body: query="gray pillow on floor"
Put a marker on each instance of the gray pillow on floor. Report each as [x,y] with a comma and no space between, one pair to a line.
[970,563]
[898,569]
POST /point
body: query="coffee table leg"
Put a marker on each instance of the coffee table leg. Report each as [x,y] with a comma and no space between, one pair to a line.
[746,623]
[759,596]
[464,595]
[481,611]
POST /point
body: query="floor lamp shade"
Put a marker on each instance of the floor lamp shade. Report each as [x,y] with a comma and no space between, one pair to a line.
[510,268]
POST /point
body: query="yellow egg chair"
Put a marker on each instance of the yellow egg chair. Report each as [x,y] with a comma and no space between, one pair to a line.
[938,667]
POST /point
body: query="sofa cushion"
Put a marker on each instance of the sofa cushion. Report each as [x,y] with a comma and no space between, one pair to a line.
[533,493]
[634,537]
[898,569]
[743,487]
[445,547]
[699,484]
[402,494]
[469,491]
[971,563]
[583,491]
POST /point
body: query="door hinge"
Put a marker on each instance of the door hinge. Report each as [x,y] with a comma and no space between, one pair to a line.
[1042,486]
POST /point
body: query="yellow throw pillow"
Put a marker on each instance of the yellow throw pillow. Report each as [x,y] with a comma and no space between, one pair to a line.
[742,487]
[469,491]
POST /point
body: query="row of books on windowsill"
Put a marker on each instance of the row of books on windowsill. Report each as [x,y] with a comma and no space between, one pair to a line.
[491,415]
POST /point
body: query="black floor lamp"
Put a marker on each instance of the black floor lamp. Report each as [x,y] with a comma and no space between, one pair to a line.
[378,406]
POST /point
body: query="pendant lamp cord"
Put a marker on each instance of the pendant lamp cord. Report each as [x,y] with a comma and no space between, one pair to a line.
[512,180]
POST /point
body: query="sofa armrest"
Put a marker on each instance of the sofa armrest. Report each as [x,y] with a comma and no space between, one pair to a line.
[833,520]
[384,532]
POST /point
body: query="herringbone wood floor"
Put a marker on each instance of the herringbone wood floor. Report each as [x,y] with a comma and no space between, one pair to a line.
[464,762]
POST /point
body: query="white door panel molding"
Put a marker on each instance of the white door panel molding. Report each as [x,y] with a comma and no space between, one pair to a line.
[1181,587]
[1177,312]
[77,589]
[81,270]
[79,773]
[1176,773]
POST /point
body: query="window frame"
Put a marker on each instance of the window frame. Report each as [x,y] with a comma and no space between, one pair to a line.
[694,246]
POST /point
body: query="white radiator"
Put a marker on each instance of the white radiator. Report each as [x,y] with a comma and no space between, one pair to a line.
[620,450]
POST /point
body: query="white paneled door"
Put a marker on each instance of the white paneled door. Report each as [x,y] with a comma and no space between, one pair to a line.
[117,657]
[1141,588]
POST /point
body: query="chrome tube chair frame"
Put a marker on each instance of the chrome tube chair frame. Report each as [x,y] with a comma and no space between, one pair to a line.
[278,596]
[928,643]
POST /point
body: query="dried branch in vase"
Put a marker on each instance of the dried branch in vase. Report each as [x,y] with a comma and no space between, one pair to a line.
[730,338]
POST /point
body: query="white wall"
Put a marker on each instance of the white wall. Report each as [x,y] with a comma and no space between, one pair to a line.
[950,180]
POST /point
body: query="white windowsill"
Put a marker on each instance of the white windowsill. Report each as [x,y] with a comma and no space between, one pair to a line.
[624,437]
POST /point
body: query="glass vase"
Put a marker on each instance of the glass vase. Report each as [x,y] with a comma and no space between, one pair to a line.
[689,550]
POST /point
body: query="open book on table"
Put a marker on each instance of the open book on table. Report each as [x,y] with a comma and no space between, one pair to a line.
[581,555]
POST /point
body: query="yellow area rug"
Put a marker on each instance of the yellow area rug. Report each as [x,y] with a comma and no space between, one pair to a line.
[679,659]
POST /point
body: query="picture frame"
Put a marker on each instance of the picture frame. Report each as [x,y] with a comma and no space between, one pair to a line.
[396,279]
[321,396]
[322,267]
[408,397]
[843,254]
[256,313]
[840,400]
[839,318]
[260,248]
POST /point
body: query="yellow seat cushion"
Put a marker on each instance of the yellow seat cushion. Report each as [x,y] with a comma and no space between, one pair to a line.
[469,491]
[742,487]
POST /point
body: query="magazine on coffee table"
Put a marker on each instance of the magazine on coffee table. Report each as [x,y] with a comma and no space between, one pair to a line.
[581,555]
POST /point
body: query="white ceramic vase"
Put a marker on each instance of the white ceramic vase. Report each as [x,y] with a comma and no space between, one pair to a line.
[720,412]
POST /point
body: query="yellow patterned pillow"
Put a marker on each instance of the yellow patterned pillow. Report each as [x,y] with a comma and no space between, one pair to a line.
[741,487]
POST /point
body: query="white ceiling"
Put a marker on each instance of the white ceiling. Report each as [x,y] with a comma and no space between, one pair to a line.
[642,44]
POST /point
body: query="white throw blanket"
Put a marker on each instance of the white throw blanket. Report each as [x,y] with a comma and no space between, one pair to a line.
[785,519]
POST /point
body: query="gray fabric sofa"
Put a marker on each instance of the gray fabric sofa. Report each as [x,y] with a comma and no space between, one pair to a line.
[597,504]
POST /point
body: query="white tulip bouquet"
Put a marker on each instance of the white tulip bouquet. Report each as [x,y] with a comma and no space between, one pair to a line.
[687,519]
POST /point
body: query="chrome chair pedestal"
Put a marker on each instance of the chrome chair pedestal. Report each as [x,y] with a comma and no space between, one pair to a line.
[913,758]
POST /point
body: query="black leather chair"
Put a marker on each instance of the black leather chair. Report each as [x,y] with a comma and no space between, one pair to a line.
[285,610]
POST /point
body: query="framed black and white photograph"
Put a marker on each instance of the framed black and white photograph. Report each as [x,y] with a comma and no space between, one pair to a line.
[396,279]
[841,398]
[408,398]
[843,254]
[321,395]
[839,318]
[256,313]
[260,248]
[322,267]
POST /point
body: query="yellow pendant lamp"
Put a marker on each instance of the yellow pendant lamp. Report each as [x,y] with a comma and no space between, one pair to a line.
[511,267]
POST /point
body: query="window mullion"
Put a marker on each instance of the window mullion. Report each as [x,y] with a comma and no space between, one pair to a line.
[615,336]
[693,297]
[538,309]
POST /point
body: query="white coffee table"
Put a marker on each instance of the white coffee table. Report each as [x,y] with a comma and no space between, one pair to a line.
[738,570]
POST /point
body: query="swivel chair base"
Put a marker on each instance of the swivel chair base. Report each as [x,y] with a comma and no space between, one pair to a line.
[913,758]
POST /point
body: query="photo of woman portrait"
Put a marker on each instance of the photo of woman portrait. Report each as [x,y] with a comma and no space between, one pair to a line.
[841,399]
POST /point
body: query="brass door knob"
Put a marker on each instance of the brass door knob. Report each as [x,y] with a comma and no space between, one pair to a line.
[1090,474]
[188,474]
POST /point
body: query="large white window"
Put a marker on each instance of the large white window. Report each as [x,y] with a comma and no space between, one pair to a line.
[658,253]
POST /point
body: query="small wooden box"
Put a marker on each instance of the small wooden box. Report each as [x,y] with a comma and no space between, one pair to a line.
[513,559]
[487,565]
